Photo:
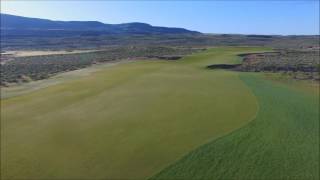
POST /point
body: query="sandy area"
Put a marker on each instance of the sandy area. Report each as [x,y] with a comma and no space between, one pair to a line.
[40,53]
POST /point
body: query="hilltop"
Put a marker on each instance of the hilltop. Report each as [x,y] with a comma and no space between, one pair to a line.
[16,25]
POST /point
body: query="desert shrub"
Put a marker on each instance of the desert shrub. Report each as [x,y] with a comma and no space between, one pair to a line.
[41,67]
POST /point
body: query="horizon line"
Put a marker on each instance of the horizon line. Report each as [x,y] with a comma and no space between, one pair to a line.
[207,33]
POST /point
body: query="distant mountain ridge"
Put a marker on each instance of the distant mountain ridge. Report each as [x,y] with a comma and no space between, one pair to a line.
[25,24]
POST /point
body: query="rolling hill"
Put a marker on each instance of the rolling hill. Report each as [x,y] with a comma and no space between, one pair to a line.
[18,25]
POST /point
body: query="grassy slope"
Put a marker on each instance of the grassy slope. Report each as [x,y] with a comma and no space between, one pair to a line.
[281,143]
[127,121]
[24,88]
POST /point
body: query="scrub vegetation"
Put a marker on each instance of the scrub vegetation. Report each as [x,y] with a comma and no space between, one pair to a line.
[29,68]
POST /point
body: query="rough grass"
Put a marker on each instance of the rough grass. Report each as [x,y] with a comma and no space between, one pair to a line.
[281,143]
[126,121]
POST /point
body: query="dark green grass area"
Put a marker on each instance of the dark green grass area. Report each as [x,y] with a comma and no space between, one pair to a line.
[281,143]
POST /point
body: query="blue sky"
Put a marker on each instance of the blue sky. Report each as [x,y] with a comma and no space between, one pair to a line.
[241,17]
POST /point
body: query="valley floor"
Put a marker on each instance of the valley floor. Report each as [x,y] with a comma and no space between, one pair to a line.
[143,119]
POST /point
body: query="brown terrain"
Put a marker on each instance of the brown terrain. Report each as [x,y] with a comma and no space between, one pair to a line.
[299,64]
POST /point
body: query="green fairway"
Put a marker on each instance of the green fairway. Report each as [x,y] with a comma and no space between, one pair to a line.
[281,143]
[125,121]
[134,120]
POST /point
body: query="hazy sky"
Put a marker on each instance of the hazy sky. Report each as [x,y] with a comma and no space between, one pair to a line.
[246,17]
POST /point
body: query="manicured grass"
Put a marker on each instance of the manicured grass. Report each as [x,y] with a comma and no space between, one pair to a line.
[281,143]
[126,121]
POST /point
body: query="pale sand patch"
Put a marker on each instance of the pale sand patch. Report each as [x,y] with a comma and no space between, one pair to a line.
[41,53]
